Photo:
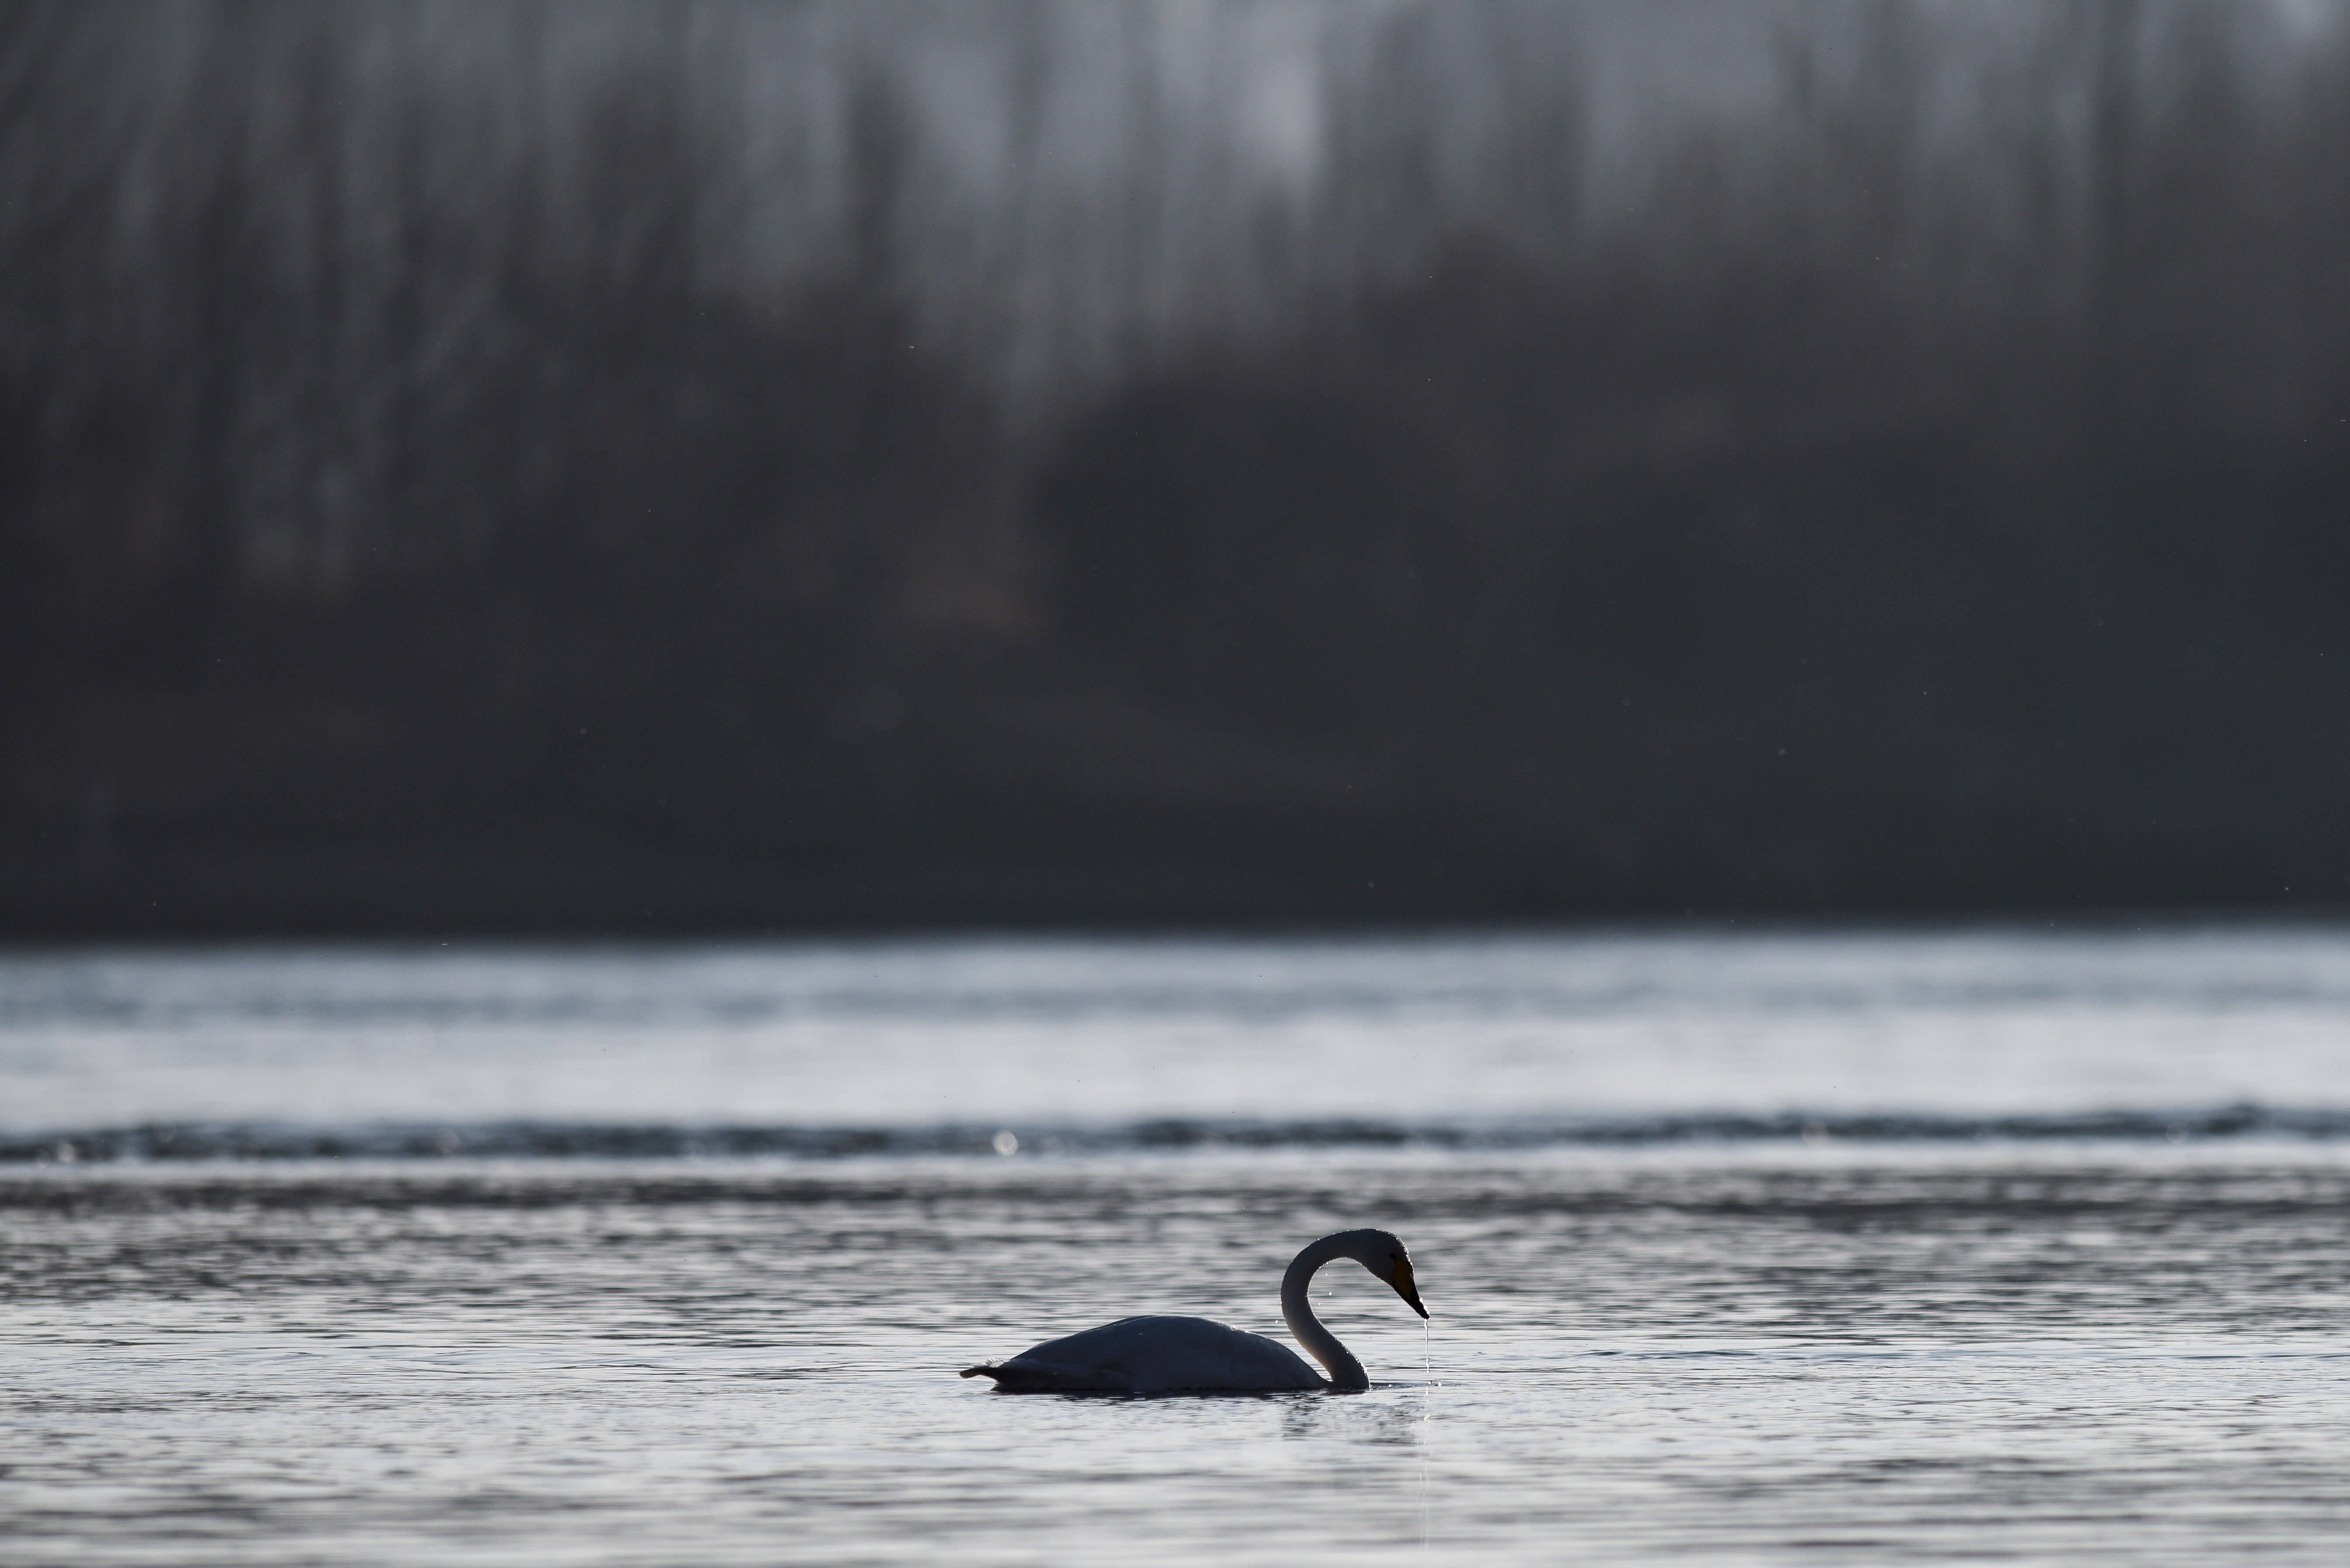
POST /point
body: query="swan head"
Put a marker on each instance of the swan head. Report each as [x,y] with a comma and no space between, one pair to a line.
[1383,1254]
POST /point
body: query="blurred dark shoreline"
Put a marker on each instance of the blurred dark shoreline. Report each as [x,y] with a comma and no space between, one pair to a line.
[602,469]
[585,896]
[431,896]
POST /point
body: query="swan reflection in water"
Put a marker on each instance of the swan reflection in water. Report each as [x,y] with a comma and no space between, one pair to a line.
[1192,1355]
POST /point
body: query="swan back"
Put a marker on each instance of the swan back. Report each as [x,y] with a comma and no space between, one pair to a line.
[1153,1356]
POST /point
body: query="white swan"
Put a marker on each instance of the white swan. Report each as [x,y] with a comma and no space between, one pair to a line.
[1191,1355]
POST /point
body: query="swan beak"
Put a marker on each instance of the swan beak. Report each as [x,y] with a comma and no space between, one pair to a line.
[1405,1288]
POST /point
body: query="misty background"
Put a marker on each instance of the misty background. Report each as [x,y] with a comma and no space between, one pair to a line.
[702,465]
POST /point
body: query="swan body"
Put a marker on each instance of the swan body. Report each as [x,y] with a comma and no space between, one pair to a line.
[1153,1356]
[1191,1355]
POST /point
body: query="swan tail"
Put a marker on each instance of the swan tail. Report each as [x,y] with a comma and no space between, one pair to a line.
[1015,1376]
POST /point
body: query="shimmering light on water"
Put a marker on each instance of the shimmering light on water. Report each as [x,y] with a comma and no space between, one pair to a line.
[999,1031]
[1637,1359]
[1788,1349]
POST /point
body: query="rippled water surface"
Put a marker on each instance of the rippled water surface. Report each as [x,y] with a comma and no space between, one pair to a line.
[1783,1346]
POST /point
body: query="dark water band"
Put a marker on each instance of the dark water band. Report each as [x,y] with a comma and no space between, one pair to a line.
[601,1140]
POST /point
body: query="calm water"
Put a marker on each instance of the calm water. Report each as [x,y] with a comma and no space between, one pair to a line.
[2077,1297]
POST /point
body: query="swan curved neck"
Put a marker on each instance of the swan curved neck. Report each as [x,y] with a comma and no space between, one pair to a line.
[1346,1372]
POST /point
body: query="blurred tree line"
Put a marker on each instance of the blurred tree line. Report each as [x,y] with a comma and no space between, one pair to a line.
[704,464]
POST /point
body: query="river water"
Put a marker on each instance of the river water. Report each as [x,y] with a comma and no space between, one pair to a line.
[1774,1249]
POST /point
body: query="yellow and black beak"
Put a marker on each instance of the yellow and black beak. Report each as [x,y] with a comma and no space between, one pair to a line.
[1401,1280]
